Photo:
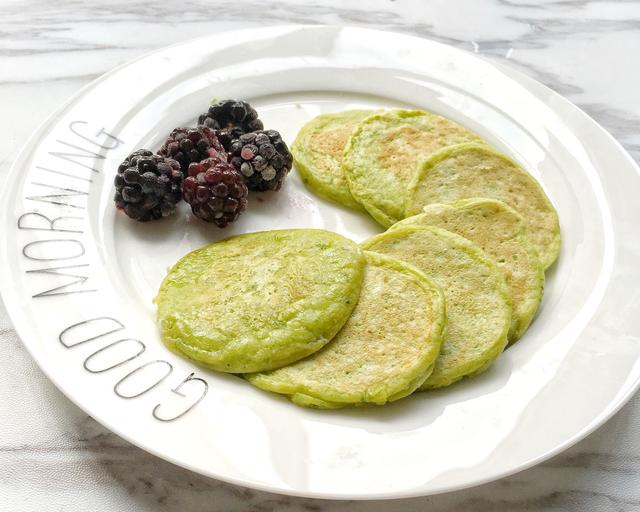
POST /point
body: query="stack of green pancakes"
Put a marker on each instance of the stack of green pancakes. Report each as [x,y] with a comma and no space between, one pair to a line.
[394,163]
[416,168]
[457,276]
[306,313]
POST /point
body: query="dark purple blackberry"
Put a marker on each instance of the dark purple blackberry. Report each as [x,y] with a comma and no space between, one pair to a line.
[148,186]
[263,159]
[230,119]
[188,145]
[216,191]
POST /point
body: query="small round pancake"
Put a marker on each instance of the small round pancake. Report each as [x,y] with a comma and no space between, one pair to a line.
[477,302]
[501,233]
[384,352]
[317,152]
[475,170]
[384,152]
[262,300]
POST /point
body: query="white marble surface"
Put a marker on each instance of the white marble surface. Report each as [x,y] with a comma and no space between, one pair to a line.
[54,457]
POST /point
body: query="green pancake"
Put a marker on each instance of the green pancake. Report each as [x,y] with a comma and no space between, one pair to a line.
[384,152]
[259,301]
[477,301]
[501,233]
[317,152]
[475,170]
[384,352]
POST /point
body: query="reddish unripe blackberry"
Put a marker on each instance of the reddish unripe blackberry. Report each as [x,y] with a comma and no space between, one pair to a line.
[216,191]
[230,119]
[188,145]
[148,186]
[263,158]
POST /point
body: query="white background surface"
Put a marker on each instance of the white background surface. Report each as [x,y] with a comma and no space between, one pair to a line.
[52,457]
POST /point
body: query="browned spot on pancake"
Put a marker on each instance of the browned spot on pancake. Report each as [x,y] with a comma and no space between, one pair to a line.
[331,141]
[402,148]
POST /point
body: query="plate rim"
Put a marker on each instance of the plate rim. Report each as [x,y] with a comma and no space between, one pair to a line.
[532,85]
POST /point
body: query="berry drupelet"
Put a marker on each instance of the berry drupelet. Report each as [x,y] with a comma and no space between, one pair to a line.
[216,191]
[188,145]
[263,158]
[230,119]
[148,186]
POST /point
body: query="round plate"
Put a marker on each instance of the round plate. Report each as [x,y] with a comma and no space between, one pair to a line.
[78,278]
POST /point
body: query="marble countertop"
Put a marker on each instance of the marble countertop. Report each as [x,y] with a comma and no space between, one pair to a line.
[54,457]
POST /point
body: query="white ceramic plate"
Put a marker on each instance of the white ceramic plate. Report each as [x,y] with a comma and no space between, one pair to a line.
[78,278]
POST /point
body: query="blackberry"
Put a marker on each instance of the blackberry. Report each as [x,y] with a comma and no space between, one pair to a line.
[263,158]
[215,190]
[188,145]
[148,186]
[230,119]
